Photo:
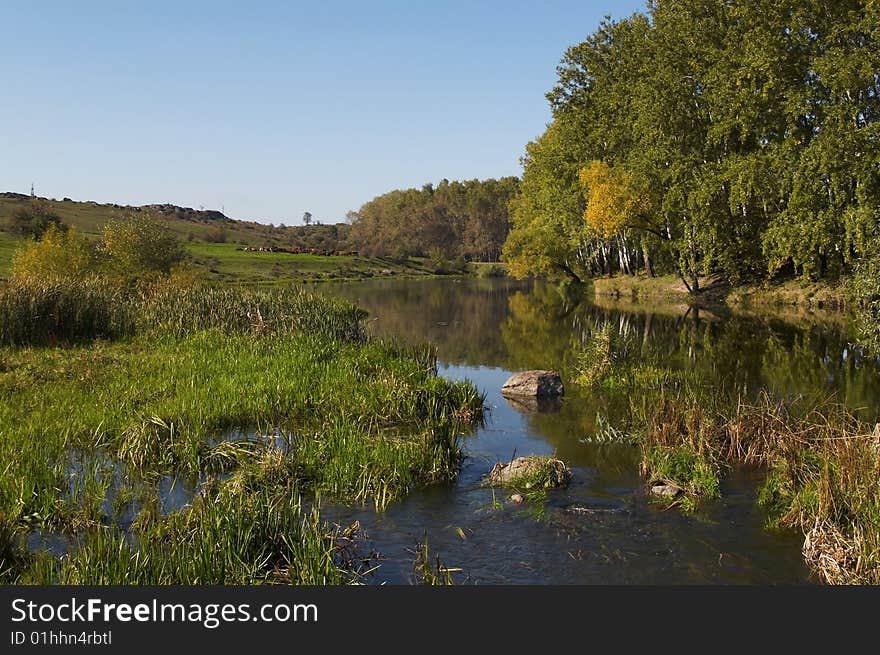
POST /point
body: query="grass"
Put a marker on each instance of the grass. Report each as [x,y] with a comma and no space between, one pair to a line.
[226,262]
[822,468]
[821,463]
[89,431]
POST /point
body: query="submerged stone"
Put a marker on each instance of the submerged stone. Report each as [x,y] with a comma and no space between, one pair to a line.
[546,471]
[534,384]
[662,489]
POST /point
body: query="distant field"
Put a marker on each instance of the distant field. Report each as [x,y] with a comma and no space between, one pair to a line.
[90,217]
[224,261]
[227,263]
[216,244]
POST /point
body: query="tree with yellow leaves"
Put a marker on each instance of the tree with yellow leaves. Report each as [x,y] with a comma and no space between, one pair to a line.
[613,202]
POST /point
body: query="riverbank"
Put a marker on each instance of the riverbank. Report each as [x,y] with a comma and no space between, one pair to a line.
[817,458]
[196,450]
[790,294]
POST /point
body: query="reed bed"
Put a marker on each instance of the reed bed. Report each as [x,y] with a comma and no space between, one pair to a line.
[64,310]
[88,430]
[822,464]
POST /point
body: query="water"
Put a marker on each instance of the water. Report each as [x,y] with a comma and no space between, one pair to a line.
[601,529]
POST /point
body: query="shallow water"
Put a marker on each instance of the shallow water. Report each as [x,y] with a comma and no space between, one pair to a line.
[601,529]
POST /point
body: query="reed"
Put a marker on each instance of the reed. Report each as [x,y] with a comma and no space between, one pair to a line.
[63,311]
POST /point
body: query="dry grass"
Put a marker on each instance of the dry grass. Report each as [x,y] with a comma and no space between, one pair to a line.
[823,467]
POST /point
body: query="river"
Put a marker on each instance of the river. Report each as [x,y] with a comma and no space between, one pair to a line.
[601,529]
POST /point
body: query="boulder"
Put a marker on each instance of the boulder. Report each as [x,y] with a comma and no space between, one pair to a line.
[542,471]
[534,384]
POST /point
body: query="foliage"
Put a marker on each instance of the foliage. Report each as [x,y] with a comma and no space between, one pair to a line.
[58,255]
[864,291]
[138,245]
[612,202]
[461,219]
[748,129]
[34,220]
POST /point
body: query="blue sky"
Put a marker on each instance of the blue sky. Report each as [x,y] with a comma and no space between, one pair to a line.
[270,109]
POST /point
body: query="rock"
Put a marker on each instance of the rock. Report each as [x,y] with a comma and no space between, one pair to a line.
[663,489]
[534,384]
[543,471]
[517,499]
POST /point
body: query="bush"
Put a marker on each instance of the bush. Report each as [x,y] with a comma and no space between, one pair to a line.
[492,270]
[137,245]
[34,220]
[60,254]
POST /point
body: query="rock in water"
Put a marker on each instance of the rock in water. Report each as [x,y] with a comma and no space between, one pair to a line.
[668,490]
[546,472]
[534,384]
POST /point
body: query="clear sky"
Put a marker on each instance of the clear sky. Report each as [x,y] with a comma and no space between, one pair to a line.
[270,109]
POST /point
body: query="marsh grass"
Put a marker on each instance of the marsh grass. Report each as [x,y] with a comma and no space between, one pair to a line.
[63,311]
[821,462]
[822,465]
[363,422]
[430,570]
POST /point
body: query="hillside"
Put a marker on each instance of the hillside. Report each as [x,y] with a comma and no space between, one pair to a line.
[218,243]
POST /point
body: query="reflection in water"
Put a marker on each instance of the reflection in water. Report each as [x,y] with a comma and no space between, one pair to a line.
[601,529]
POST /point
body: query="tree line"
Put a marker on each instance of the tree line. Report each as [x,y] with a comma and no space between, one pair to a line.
[467,220]
[731,137]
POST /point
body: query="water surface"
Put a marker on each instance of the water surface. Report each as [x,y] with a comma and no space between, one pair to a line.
[601,529]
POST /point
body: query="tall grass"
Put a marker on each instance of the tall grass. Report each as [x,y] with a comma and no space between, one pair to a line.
[177,311]
[75,310]
[822,464]
[63,310]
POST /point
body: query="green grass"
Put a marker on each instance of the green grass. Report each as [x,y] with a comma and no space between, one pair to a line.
[87,432]
[8,244]
[227,262]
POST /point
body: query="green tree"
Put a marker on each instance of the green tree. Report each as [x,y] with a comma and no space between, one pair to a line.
[35,219]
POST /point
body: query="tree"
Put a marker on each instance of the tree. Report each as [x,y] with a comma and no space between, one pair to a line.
[34,219]
[462,219]
[307,218]
[137,245]
[746,131]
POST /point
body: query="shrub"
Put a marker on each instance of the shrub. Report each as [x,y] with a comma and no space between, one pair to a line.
[137,245]
[492,270]
[60,254]
[34,220]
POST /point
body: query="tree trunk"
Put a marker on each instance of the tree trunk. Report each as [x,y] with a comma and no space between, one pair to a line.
[647,257]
